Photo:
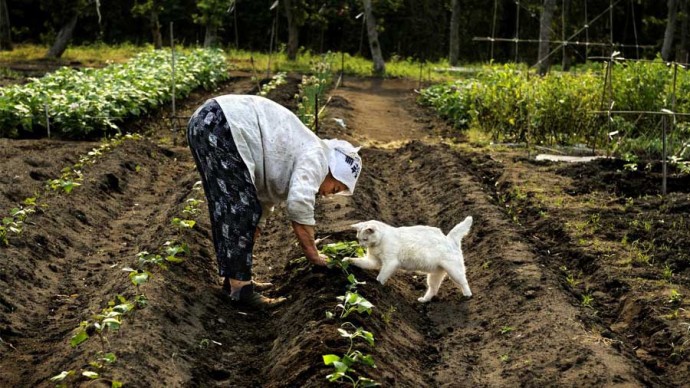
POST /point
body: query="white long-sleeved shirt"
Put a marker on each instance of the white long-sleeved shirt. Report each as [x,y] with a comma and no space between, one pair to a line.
[286,160]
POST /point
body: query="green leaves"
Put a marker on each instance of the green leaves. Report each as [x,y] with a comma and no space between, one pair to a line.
[81,101]
[139,277]
[352,302]
[78,338]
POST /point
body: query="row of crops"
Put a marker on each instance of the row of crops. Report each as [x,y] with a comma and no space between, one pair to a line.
[513,105]
[75,102]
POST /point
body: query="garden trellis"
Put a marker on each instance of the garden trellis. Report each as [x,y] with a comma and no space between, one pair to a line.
[668,113]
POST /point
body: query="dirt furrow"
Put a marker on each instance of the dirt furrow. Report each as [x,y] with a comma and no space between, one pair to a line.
[519,328]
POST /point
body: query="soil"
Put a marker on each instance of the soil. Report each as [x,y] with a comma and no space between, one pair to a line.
[528,263]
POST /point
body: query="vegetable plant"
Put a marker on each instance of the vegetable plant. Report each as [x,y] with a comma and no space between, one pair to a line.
[344,365]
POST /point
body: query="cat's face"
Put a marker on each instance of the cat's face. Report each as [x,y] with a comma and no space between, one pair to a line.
[368,234]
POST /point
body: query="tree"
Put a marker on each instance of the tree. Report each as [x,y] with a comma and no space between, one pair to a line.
[565,22]
[545,35]
[5,32]
[293,29]
[666,49]
[682,55]
[455,32]
[211,15]
[372,33]
[151,9]
[65,13]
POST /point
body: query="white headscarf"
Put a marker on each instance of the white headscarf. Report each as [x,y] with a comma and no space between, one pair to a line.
[344,162]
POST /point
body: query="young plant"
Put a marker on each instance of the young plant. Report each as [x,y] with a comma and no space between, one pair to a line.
[353,302]
[344,365]
[587,300]
[192,207]
[336,252]
[183,224]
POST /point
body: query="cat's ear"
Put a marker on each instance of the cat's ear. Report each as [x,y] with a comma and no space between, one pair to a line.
[369,229]
[357,226]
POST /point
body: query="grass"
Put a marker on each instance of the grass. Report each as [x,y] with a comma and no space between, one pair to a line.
[100,54]
[89,55]
[353,65]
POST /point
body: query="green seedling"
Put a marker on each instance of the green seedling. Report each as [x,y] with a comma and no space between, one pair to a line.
[587,300]
[146,258]
[107,358]
[353,302]
[183,224]
[675,298]
[343,365]
[192,207]
[109,319]
[667,273]
[172,252]
[506,329]
[67,185]
[388,315]
[336,252]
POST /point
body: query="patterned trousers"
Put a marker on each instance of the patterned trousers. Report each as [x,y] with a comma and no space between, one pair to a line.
[233,205]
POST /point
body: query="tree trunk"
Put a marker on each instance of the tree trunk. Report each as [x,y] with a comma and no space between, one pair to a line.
[545,36]
[683,49]
[5,32]
[211,36]
[376,56]
[666,49]
[293,31]
[566,60]
[156,30]
[455,33]
[63,37]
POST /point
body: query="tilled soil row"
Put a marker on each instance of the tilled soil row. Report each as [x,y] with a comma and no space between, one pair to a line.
[519,328]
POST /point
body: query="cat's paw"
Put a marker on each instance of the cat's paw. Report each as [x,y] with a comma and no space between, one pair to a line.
[348,259]
[381,280]
[423,299]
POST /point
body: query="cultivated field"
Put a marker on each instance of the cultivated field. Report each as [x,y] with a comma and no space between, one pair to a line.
[579,272]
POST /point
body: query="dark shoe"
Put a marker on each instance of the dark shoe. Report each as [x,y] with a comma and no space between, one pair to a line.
[248,298]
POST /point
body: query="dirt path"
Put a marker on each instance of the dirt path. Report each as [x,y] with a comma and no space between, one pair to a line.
[520,328]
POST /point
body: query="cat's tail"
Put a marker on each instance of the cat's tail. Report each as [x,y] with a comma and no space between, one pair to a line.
[460,230]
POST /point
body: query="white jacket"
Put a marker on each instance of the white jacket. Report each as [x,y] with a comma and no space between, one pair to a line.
[286,160]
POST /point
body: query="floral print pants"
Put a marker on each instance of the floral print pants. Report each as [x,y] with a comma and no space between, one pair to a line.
[233,205]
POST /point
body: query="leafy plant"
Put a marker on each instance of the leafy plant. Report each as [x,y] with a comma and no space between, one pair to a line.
[344,365]
[675,297]
[353,302]
[82,101]
[587,300]
[183,224]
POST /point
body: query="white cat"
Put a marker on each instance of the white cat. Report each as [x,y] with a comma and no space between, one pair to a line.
[414,248]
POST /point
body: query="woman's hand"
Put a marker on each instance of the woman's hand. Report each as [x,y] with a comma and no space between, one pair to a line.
[305,236]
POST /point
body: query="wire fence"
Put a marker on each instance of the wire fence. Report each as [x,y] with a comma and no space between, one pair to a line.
[668,116]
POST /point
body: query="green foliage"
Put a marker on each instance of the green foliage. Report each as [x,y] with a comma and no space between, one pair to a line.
[344,365]
[353,302]
[276,80]
[211,12]
[313,89]
[512,105]
[82,101]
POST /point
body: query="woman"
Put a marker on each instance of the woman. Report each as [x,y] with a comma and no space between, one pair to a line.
[252,154]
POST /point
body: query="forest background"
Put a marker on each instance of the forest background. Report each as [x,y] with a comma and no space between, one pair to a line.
[417,29]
